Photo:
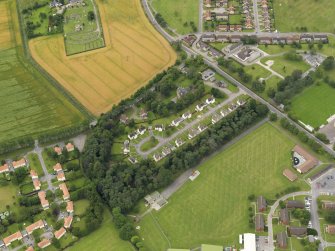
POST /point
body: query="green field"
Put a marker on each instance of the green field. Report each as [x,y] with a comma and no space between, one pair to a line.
[104,239]
[6,196]
[35,164]
[315,15]
[176,13]
[88,37]
[214,208]
[257,71]
[30,105]
[314,105]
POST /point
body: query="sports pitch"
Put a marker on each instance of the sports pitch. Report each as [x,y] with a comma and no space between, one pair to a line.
[214,208]
[314,105]
[315,15]
[134,53]
[29,103]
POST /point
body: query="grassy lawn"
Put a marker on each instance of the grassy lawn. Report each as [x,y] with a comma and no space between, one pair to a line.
[304,13]
[216,192]
[284,66]
[35,164]
[104,239]
[257,71]
[176,13]
[219,46]
[235,19]
[149,144]
[6,196]
[80,206]
[41,107]
[314,105]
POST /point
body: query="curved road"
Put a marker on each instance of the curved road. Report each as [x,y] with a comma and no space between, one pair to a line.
[215,66]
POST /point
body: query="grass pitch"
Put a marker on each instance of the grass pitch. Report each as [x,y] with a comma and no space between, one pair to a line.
[134,53]
[214,208]
[314,105]
[29,104]
[176,13]
[315,15]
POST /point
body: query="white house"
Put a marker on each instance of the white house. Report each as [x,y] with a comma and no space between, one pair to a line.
[210,100]
[187,115]
[200,107]
[177,121]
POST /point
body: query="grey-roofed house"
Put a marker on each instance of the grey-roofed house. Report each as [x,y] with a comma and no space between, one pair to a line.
[295,204]
[321,37]
[208,38]
[207,74]
[261,204]
[259,222]
[297,231]
[282,240]
[284,216]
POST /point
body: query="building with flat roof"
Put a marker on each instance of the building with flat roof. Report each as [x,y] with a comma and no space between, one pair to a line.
[249,242]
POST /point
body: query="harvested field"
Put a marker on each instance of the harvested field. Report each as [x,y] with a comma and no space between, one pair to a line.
[134,53]
[30,105]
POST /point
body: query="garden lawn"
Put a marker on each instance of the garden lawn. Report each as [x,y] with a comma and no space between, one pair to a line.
[35,164]
[106,238]
[285,67]
[80,206]
[176,13]
[6,196]
[315,15]
[314,105]
[214,208]
[257,71]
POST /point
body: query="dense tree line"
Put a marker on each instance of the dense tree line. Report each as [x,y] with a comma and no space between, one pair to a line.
[13,145]
[160,20]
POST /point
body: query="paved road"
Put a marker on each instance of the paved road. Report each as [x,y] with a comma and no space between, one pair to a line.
[164,141]
[214,65]
[201,10]
[272,211]
[255,8]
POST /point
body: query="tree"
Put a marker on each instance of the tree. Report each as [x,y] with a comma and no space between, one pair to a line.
[127,231]
[329,63]
[322,137]
[90,16]
[56,243]
[273,116]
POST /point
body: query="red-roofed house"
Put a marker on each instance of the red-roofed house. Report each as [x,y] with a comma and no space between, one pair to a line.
[37,184]
[4,168]
[61,176]
[66,194]
[37,225]
[69,207]
[69,147]
[33,174]
[58,150]
[44,201]
[20,163]
[30,249]
[16,236]
[44,243]
[68,221]
[60,233]
[58,167]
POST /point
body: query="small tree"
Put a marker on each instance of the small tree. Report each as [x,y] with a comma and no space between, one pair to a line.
[90,16]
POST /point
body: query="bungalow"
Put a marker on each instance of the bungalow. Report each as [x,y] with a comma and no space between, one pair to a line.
[207,74]
[58,150]
[200,107]
[208,38]
[261,204]
[157,157]
[179,142]
[282,240]
[4,168]
[222,38]
[66,195]
[124,119]
[43,200]
[330,229]
[264,40]
[69,147]
[60,233]
[69,207]
[291,176]
[68,221]
[295,204]
[321,37]
[187,115]
[202,128]
[20,163]
[132,136]
[306,38]
[14,237]
[44,243]
[215,118]
[192,133]
[284,216]
[210,101]
[141,130]
[58,167]
[37,184]
[159,128]
[61,176]
[221,16]
[177,121]
[302,160]
[328,205]
[126,147]
[259,222]
[33,174]
[37,225]
[132,160]
[297,231]
[207,15]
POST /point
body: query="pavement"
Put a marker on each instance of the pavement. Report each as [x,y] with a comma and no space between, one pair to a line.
[255,9]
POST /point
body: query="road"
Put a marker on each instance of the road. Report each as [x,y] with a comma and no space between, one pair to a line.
[231,79]
[164,141]
[201,10]
[255,8]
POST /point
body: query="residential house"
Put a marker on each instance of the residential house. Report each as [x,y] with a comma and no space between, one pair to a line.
[207,15]
[181,91]
[132,136]
[330,229]
[282,240]
[214,52]
[203,46]
[58,168]
[44,202]
[37,225]
[126,147]
[279,40]
[259,222]
[69,147]
[141,130]
[20,163]
[37,184]
[265,40]
[208,3]
[177,121]
[221,16]
[33,174]
[143,114]
[66,194]
[222,28]
[284,216]
[61,176]
[202,128]
[215,118]
[192,133]
[4,168]
[207,74]
[224,113]
[297,231]
[222,38]
[200,107]
[44,243]
[124,119]
[179,142]
[306,38]
[157,157]
[235,39]
[58,150]
[187,115]
[30,248]
[13,237]
[69,207]
[328,205]
[208,38]
[132,160]
[68,221]
[295,204]
[261,204]
[291,176]
[60,233]
[166,151]
[210,100]
[189,40]
[159,128]
[321,37]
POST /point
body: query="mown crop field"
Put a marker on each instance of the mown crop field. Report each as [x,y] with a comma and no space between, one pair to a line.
[315,15]
[214,208]
[134,53]
[314,105]
[177,13]
[29,103]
